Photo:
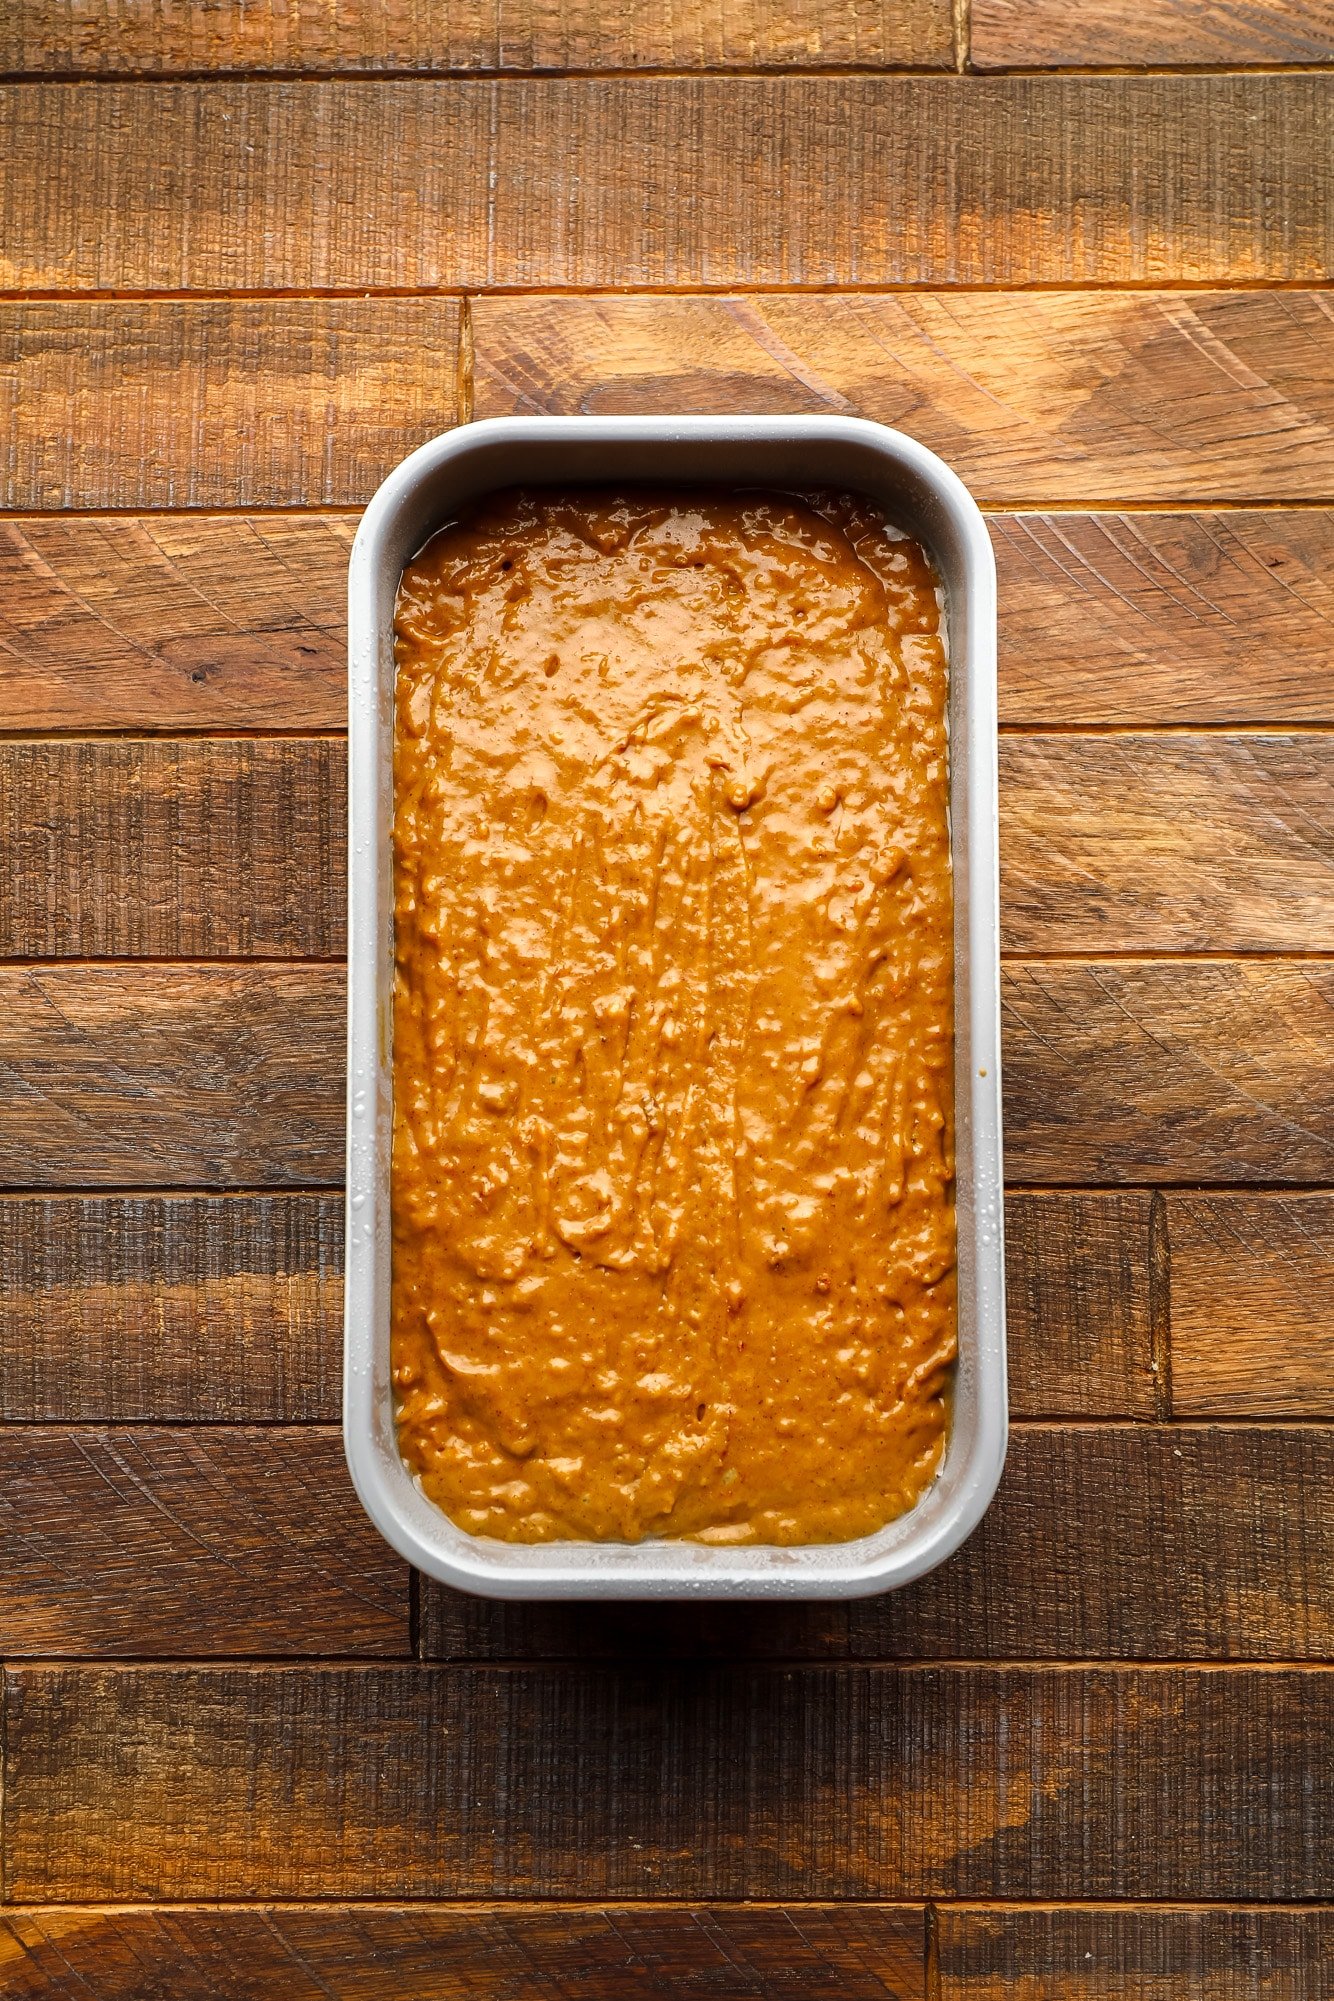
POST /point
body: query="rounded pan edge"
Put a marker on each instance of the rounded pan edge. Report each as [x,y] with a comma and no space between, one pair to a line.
[952,1507]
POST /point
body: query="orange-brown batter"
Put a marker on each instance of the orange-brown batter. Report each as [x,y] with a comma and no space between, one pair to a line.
[672,1185]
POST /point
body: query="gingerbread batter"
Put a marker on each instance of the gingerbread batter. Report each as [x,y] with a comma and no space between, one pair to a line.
[672,1187]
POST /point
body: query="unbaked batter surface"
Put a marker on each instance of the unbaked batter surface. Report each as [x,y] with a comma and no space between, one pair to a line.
[672,1183]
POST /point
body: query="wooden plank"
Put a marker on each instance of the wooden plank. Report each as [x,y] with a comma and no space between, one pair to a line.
[161,1077]
[420,185]
[1166,618]
[1132,1955]
[223,621]
[1036,399]
[1172,34]
[1120,1542]
[1080,1305]
[174,622]
[1117,1073]
[231,848]
[103,1298]
[209,1540]
[1169,1070]
[119,1308]
[376,1952]
[218,402]
[667,1782]
[1252,1305]
[70,37]
[1133,843]
[235,847]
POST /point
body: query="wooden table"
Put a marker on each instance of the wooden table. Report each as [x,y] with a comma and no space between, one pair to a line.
[251,256]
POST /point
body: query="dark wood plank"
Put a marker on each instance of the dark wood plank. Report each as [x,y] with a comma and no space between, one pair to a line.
[1252,1305]
[1034,398]
[198,1541]
[1121,1542]
[1132,1955]
[218,402]
[161,1077]
[583,181]
[1173,34]
[216,621]
[124,1783]
[1166,618]
[103,1298]
[1169,1070]
[119,1308]
[370,1952]
[217,849]
[174,622]
[70,37]
[1118,1073]
[1132,843]
[1080,1305]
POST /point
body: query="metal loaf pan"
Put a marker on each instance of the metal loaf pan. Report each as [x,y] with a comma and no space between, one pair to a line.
[918,493]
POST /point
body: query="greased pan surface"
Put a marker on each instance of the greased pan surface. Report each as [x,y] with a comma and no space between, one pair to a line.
[919,494]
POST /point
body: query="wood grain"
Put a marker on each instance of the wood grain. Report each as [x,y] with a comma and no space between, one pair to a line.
[218,402]
[1036,399]
[174,622]
[1172,1070]
[161,1077]
[1252,1305]
[505,1952]
[1118,1073]
[119,1308]
[1166,618]
[126,1783]
[1133,1955]
[75,38]
[1132,843]
[678,181]
[103,1297]
[231,847]
[1172,34]
[1079,1305]
[235,847]
[214,1540]
[223,621]
[1119,1542]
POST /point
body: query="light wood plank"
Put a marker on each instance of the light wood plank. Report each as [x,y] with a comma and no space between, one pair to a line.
[215,621]
[677,181]
[101,37]
[1252,1305]
[218,402]
[1172,1070]
[1166,618]
[126,1783]
[1118,1073]
[505,1952]
[1118,1542]
[236,848]
[1172,34]
[212,1540]
[1036,399]
[173,850]
[992,1954]
[161,1077]
[1167,843]
[174,622]
[119,1308]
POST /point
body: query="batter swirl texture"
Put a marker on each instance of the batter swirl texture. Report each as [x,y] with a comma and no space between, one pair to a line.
[672,1184]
